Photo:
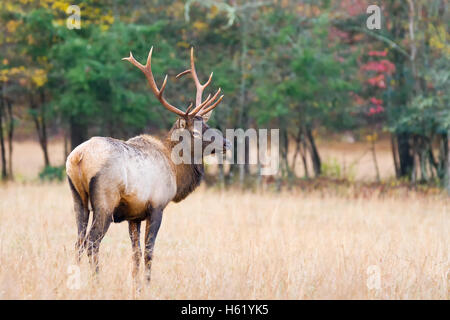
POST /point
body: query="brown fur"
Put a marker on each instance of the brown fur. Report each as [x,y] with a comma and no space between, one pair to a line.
[135,180]
[110,175]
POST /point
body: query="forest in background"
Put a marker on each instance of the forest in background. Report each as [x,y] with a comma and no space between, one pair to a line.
[309,68]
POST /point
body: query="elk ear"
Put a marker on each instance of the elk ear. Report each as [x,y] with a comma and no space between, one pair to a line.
[206,116]
[181,123]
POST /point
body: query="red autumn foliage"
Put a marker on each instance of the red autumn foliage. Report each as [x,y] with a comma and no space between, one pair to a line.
[358,100]
[338,34]
[375,110]
[378,81]
[353,7]
[378,53]
[384,66]
[375,101]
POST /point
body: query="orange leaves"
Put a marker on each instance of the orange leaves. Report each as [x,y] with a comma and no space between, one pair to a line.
[7,74]
[25,77]
[12,25]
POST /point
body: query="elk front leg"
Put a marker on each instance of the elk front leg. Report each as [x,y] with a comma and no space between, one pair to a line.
[134,228]
[151,231]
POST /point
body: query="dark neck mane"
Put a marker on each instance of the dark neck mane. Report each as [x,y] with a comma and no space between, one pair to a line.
[188,176]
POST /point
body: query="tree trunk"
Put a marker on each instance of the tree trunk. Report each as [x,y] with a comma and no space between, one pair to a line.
[2,143]
[66,145]
[448,162]
[243,168]
[285,151]
[78,132]
[375,162]
[315,157]
[394,149]
[296,153]
[44,130]
[10,133]
[39,119]
[405,155]
[304,152]
[300,150]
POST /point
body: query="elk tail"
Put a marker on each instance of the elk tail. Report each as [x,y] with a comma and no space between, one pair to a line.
[74,173]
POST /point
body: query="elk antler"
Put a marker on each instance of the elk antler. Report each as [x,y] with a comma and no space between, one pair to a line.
[200,106]
[147,70]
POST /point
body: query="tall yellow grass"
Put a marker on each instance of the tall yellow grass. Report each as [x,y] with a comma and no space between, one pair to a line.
[233,245]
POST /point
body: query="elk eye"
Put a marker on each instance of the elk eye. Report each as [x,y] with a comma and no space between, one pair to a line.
[182,123]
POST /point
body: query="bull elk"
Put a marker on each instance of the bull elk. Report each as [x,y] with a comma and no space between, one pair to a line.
[134,180]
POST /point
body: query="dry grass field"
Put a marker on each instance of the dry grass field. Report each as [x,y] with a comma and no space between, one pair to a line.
[234,245]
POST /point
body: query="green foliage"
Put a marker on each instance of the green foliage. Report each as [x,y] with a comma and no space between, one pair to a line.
[50,173]
[279,64]
[311,86]
[332,168]
[92,83]
[427,113]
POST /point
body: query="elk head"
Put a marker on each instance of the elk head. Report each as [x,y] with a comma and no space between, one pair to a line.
[195,118]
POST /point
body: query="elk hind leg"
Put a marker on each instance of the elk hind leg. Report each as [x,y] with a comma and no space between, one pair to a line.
[82,218]
[100,225]
[103,202]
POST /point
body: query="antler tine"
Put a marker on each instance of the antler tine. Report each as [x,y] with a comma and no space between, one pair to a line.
[163,86]
[193,71]
[199,105]
[209,80]
[147,70]
[206,103]
[188,109]
[149,59]
[202,107]
[198,85]
[183,73]
[206,110]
